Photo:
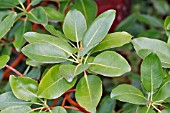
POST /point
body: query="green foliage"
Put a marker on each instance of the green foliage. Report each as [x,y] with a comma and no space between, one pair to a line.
[72,61]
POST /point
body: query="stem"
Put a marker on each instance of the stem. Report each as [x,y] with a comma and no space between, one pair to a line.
[70,107]
[14,70]
[28,5]
[148,107]
[64,100]
[157,109]
[22,5]
[15,63]
[27,69]
[55,102]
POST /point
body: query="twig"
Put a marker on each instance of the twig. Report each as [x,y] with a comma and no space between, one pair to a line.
[14,70]
[55,102]
[64,100]
[70,107]
[15,63]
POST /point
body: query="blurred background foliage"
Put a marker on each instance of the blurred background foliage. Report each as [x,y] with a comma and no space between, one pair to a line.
[141,18]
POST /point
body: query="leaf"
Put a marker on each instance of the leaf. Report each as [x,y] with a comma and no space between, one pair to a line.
[33,63]
[8,99]
[44,53]
[69,71]
[128,93]
[107,105]
[7,23]
[127,23]
[59,109]
[88,8]
[55,32]
[163,93]
[144,109]
[149,20]
[89,92]
[167,23]
[24,88]
[166,110]
[151,33]
[38,15]
[53,14]
[151,72]
[53,85]
[74,25]
[4,13]
[35,2]
[144,46]
[109,64]
[19,33]
[167,27]
[161,6]
[3,60]
[59,43]
[16,109]
[97,31]
[113,40]
[9,3]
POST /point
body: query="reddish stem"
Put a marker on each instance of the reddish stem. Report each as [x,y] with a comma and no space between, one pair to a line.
[70,107]
[14,70]
[15,63]
[55,102]
[28,4]
[64,100]
[76,104]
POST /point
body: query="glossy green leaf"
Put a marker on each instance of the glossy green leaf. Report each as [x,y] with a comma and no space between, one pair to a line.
[8,99]
[16,109]
[163,92]
[53,14]
[145,46]
[166,110]
[113,40]
[35,2]
[107,105]
[74,25]
[4,13]
[3,60]
[161,6]
[59,110]
[53,85]
[151,33]
[88,8]
[19,33]
[24,88]
[44,53]
[7,23]
[105,64]
[38,15]
[55,32]
[167,23]
[149,20]
[9,3]
[89,92]
[127,23]
[128,93]
[97,31]
[151,72]
[144,109]
[69,71]
[33,62]
[59,43]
